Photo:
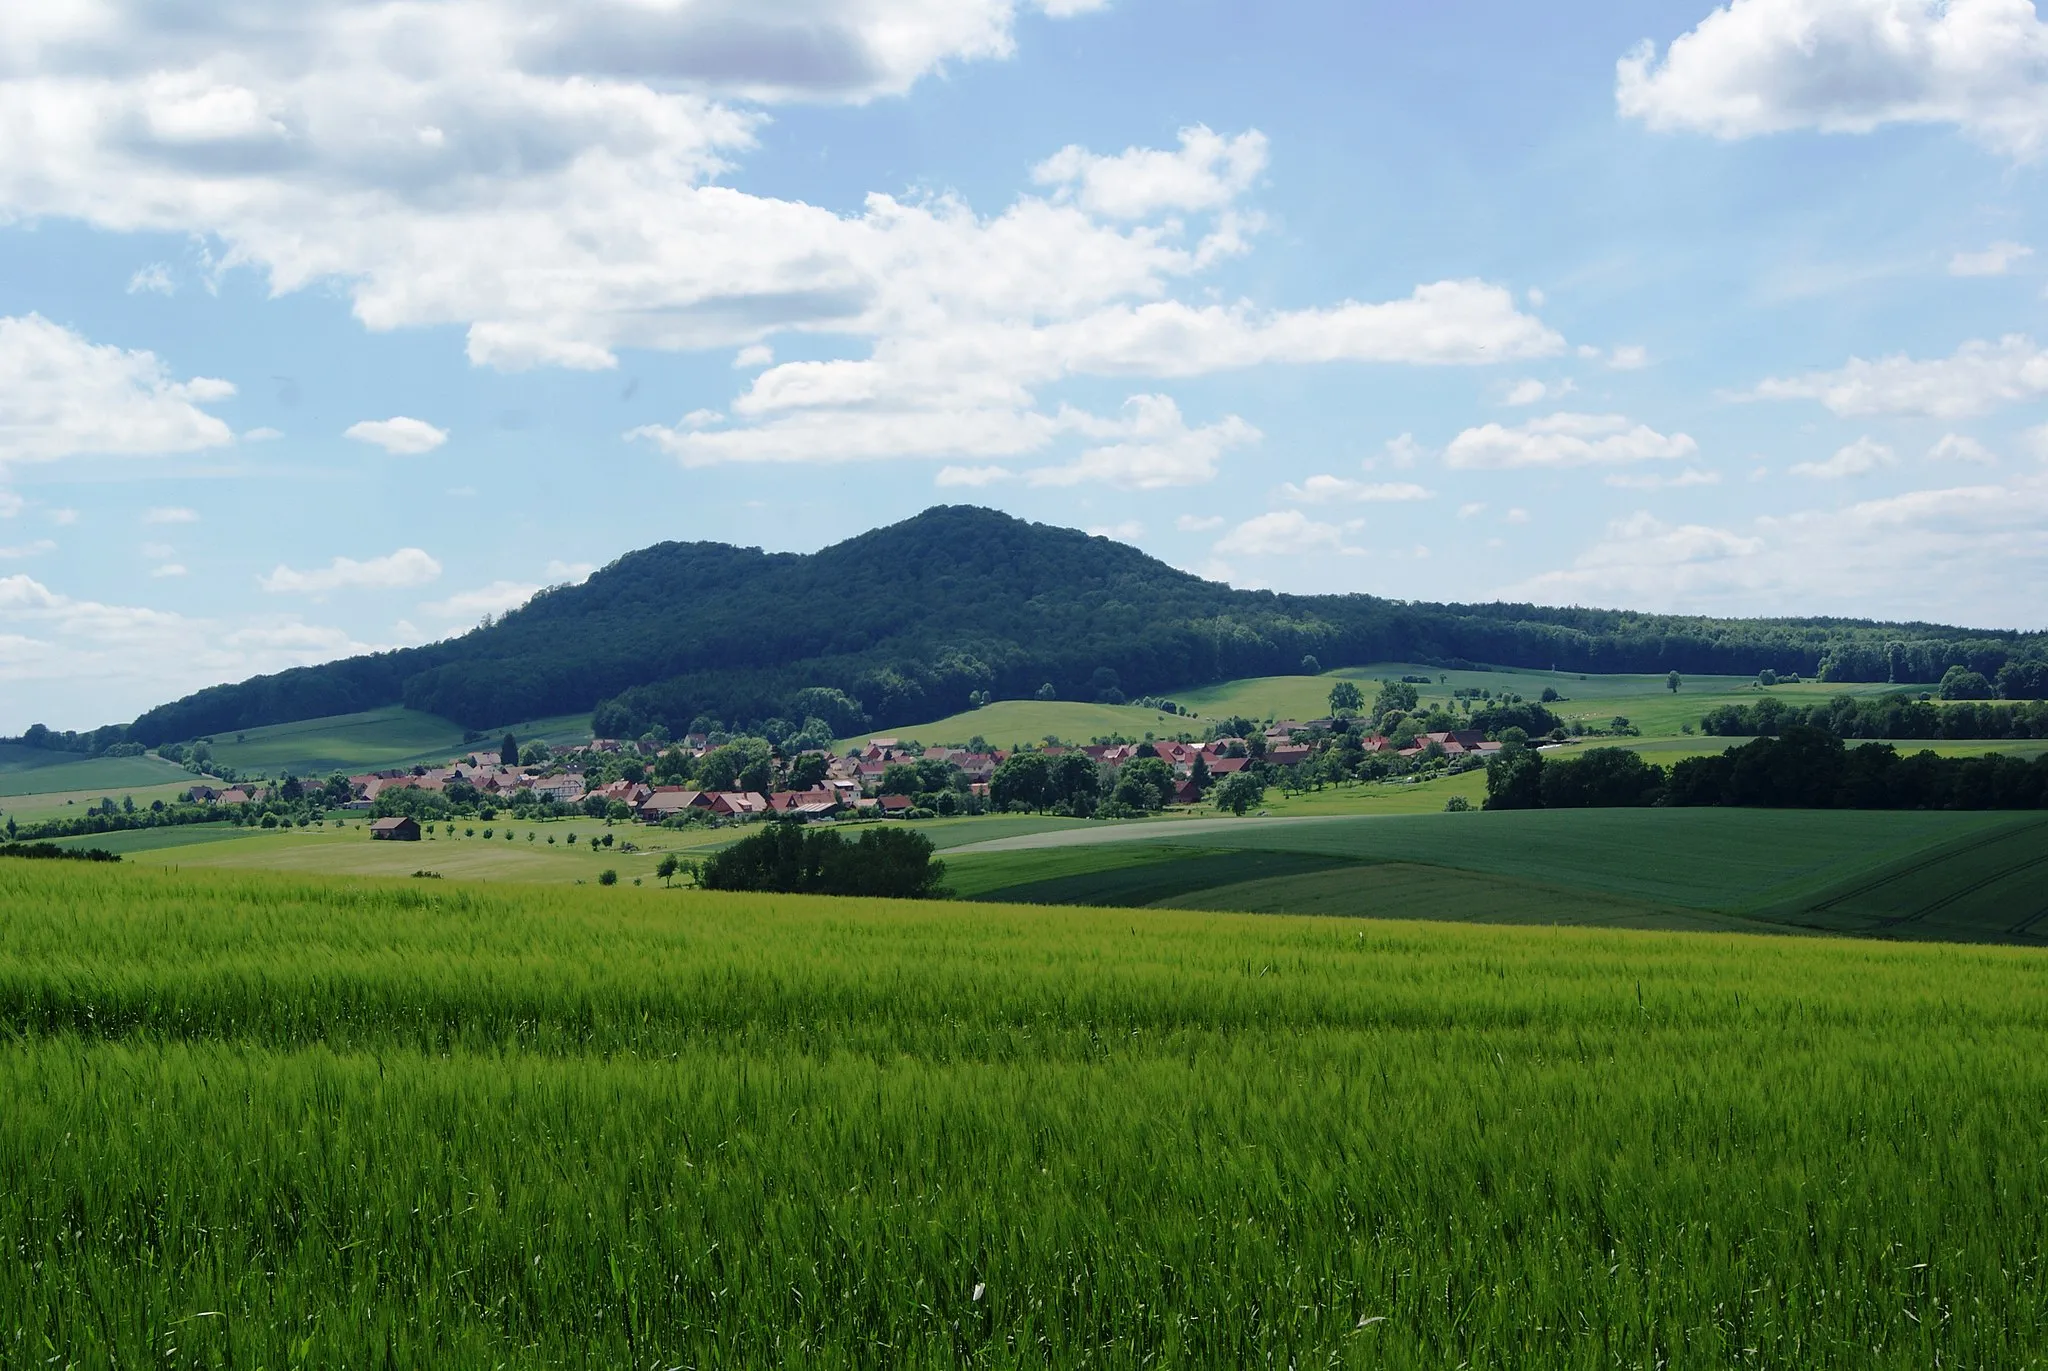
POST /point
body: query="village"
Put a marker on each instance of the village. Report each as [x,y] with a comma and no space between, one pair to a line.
[646,779]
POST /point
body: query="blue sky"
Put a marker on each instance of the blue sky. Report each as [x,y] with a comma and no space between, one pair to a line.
[332,326]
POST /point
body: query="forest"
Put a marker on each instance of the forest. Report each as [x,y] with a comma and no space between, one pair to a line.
[959,605]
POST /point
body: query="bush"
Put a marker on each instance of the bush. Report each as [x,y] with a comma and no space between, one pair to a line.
[607,877]
[1457,804]
[892,863]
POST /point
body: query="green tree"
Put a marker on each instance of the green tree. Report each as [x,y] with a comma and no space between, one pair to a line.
[1144,783]
[508,751]
[1240,791]
[1514,778]
[607,877]
[808,771]
[1394,696]
[1671,683]
[1346,699]
[1024,779]
[1199,774]
[900,778]
[1046,692]
[667,869]
[1311,667]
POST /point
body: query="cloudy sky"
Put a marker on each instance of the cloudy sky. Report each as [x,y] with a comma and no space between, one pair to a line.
[337,324]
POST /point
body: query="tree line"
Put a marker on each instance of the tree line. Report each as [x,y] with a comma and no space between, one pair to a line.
[1801,768]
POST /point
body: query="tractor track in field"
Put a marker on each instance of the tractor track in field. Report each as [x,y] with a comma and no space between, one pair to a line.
[1972,888]
[1943,855]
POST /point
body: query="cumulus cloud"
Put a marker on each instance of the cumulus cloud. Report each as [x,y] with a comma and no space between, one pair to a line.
[1955,447]
[1323,490]
[1564,440]
[1158,450]
[409,566]
[1282,533]
[399,436]
[1637,480]
[1966,554]
[1849,66]
[973,478]
[168,569]
[493,599]
[75,663]
[1207,172]
[1995,260]
[1980,376]
[1859,458]
[62,395]
[1629,358]
[170,514]
[154,279]
[1530,391]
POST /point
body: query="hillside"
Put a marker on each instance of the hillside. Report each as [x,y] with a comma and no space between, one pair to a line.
[906,623]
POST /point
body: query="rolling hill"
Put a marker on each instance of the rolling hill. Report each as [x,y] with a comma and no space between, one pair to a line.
[913,621]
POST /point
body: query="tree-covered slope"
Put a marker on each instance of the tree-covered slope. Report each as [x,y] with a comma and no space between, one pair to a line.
[908,621]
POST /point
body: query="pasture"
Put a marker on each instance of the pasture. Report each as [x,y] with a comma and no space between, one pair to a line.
[1008,724]
[278,1121]
[374,739]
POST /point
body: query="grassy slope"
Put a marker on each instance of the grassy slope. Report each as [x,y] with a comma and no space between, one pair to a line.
[1009,723]
[56,804]
[373,739]
[30,771]
[419,1124]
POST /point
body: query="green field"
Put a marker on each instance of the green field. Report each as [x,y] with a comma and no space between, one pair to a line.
[281,1121]
[1972,876]
[30,771]
[373,739]
[1009,724]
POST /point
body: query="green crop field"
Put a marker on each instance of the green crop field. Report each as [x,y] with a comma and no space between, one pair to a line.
[1010,723]
[31,771]
[1897,874]
[374,738]
[283,1121]
[36,805]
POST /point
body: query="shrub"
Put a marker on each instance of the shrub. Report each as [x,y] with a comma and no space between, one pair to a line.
[607,877]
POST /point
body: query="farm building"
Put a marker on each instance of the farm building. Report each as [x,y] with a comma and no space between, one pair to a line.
[401,829]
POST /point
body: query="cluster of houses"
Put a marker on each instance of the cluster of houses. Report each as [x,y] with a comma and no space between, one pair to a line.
[853,783]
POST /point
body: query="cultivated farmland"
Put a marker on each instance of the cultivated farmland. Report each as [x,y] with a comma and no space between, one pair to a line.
[286,1121]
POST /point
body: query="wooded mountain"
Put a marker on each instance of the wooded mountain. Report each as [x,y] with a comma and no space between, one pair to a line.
[905,623]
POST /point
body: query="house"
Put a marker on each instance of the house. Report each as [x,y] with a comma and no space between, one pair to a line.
[738,804]
[236,795]
[1187,793]
[895,806]
[1287,754]
[202,794]
[567,787]
[1223,766]
[667,801]
[788,801]
[401,830]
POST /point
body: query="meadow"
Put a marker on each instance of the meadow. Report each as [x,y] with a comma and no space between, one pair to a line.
[282,1121]
[375,739]
[1009,724]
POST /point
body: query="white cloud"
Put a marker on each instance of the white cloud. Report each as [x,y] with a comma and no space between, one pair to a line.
[1129,531]
[1281,533]
[493,599]
[1198,523]
[1629,358]
[157,551]
[568,573]
[1955,447]
[1472,509]
[399,436]
[79,663]
[973,478]
[1515,516]
[35,549]
[1980,376]
[64,518]
[1530,391]
[1859,458]
[1564,440]
[752,356]
[1207,172]
[168,569]
[154,279]
[10,504]
[1158,450]
[408,566]
[1995,260]
[170,514]
[63,396]
[1321,490]
[1691,476]
[262,435]
[1969,554]
[1849,66]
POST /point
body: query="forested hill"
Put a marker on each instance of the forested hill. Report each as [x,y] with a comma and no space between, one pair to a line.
[908,622]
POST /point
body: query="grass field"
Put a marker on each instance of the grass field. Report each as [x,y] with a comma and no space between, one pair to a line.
[372,739]
[33,806]
[29,771]
[1924,875]
[1009,723]
[276,1121]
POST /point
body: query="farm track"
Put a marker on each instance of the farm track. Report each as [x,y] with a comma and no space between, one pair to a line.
[1943,854]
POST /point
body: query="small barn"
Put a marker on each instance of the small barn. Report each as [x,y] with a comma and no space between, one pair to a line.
[401,830]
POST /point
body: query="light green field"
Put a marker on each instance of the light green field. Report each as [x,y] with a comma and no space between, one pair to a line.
[30,771]
[1644,700]
[59,804]
[374,739]
[286,1121]
[1010,723]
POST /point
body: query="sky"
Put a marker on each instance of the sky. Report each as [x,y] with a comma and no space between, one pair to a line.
[329,326]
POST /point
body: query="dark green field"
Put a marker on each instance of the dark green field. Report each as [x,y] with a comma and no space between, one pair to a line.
[1975,877]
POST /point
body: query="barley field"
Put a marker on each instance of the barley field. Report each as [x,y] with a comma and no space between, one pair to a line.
[273,1121]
